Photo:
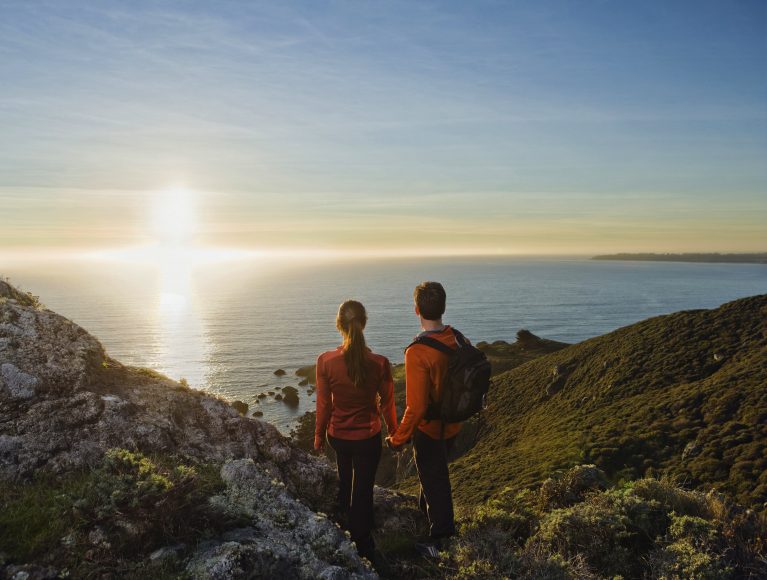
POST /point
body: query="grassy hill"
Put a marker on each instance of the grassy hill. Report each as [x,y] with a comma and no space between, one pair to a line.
[683,395]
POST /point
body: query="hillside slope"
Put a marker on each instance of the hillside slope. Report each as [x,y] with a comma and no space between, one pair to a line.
[683,395]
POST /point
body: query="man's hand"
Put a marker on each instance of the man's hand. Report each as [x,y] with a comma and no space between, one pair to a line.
[395,448]
[319,443]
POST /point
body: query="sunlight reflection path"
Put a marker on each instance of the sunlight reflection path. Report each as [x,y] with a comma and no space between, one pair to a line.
[184,349]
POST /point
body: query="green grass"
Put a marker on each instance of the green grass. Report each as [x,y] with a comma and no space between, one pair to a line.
[632,402]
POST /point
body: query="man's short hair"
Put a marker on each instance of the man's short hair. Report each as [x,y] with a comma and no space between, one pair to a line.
[430,298]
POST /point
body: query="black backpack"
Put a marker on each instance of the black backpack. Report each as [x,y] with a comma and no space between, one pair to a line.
[465,386]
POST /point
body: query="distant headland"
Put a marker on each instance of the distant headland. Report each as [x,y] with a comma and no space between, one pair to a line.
[755,258]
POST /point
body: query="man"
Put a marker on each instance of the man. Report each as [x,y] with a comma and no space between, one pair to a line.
[425,368]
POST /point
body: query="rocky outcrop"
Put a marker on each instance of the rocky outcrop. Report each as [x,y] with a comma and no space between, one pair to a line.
[285,539]
[527,339]
[64,403]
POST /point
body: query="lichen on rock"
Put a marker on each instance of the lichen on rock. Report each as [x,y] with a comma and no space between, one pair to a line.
[285,539]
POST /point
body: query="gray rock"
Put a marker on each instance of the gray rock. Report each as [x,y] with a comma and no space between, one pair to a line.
[285,540]
[29,572]
[97,537]
[18,384]
[166,554]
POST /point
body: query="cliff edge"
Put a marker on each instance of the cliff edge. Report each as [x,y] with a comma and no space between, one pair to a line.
[70,413]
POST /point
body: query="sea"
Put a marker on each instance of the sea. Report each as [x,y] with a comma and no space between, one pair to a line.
[226,327]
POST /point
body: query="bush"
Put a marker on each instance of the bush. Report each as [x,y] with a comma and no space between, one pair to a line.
[672,497]
[111,517]
[681,560]
[591,530]
[571,487]
[645,528]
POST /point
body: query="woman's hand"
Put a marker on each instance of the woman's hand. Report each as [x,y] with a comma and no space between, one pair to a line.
[319,443]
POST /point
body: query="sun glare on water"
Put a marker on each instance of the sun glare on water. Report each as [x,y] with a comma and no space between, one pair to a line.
[173,226]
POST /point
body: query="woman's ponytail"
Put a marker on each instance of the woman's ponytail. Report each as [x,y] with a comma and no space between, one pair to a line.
[351,322]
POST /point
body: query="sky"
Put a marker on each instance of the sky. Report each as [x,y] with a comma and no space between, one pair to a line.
[408,127]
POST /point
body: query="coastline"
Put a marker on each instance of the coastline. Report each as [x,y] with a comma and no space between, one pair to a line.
[697,258]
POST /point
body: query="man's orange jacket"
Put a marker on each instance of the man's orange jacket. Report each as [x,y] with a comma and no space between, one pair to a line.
[425,368]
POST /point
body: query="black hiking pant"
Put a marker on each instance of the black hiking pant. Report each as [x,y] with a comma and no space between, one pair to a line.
[357,462]
[436,497]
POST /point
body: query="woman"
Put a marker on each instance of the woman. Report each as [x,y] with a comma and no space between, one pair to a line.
[354,386]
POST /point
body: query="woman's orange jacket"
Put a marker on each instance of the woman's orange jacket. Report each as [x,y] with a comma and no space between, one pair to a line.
[345,411]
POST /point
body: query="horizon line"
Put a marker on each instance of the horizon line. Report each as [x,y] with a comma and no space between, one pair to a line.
[148,253]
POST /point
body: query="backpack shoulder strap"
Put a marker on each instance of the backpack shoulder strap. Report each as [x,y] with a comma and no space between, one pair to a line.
[460,339]
[433,343]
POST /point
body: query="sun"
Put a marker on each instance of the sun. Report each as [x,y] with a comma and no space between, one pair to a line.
[173,219]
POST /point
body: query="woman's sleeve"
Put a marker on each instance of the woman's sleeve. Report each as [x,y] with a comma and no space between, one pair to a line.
[323,401]
[386,391]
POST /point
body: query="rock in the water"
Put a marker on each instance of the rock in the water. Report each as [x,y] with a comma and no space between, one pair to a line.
[262,395]
[278,397]
[258,413]
[280,373]
[527,339]
[308,372]
[303,382]
[240,407]
[290,396]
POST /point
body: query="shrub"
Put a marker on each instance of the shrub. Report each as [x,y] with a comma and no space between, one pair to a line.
[699,533]
[681,560]
[127,507]
[572,486]
[672,497]
[592,530]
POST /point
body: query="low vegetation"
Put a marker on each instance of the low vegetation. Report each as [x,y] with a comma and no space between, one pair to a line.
[679,396]
[574,526]
[110,522]
[110,519]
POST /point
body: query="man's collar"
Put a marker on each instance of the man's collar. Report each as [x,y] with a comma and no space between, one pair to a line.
[428,332]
